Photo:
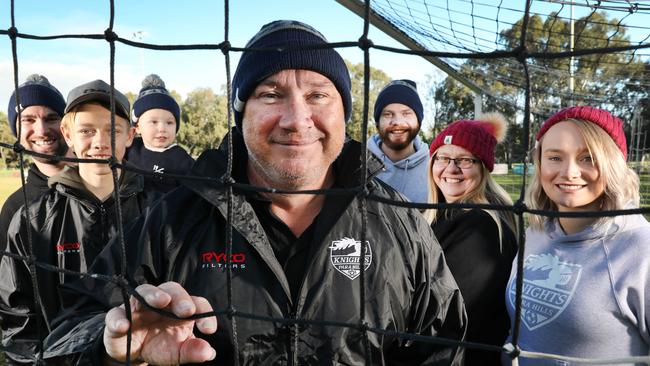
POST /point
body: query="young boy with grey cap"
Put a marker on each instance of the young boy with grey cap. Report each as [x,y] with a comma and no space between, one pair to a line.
[72,221]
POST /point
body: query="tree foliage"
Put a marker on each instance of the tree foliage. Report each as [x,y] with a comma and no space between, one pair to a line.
[378,79]
[204,116]
[613,81]
[8,158]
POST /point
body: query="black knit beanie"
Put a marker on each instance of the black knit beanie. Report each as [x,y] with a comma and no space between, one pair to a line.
[399,91]
[154,95]
[255,66]
[36,90]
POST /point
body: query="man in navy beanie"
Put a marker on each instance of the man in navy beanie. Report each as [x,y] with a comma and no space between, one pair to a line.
[398,116]
[41,108]
[291,256]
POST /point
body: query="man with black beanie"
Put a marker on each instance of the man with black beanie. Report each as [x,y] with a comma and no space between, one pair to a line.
[41,108]
[291,256]
[398,116]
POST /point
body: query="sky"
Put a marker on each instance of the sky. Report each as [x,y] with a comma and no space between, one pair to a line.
[68,63]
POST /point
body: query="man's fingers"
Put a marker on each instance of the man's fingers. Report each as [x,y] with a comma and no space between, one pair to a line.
[181,302]
[116,323]
[205,325]
[114,332]
[196,350]
[154,296]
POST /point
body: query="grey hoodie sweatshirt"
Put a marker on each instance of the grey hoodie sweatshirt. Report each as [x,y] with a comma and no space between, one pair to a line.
[409,175]
[586,294]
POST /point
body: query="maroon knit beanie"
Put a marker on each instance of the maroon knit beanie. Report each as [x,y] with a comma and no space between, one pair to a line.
[612,125]
[477,136]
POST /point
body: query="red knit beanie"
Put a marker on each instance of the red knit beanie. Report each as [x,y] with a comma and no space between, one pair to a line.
[477,136]
[612,125]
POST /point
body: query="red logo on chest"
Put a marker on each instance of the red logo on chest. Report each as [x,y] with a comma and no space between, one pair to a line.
[214,259]
[68,248]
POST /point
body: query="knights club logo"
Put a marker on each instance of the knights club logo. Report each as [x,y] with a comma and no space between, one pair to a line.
[549,285]
[345,255]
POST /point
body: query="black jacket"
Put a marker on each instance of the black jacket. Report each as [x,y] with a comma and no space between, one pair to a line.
[69,228]
[408,285]
[174,160]
[35,185]
[480,262]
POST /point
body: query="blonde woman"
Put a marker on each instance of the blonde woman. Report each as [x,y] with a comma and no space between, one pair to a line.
[586,279]
[479,245]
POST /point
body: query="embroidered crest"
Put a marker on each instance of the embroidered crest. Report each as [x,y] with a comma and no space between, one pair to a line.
[345,255]
[448,139]
[549,285]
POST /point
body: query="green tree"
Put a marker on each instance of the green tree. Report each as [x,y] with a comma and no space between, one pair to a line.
[612,81]
[8,158]
[378,79]
[204,121]
[131,97]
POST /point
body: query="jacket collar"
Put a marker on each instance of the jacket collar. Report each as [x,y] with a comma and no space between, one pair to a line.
[69,181]
[37,173]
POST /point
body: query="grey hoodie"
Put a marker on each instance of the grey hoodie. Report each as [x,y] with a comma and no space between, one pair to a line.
[586,294]
[409,175]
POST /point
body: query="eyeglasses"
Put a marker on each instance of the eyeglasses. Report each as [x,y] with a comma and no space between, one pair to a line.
[463,163]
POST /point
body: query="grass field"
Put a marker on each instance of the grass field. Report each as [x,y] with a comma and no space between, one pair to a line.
[9,183]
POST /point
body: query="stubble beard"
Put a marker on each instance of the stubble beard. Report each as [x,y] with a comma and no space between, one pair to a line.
[398,146]
[61,150]
[278,177]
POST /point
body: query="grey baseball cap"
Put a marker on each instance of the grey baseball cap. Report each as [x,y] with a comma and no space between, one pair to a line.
[100,92]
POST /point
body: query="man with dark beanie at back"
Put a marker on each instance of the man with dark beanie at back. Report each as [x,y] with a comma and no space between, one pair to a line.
[398,117]
[41,108]
[291,256]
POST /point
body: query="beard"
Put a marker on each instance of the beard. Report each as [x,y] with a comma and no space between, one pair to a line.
[399,143]
[61,150]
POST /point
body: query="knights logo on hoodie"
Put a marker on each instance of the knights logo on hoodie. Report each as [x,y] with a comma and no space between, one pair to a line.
[549,285]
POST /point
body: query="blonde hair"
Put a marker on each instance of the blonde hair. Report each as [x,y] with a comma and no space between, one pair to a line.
[621,182]
[68,120]
[488,191]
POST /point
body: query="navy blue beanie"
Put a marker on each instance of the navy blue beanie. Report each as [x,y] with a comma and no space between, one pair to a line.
[154,95]
[399,91]
[255,66]
[36,90]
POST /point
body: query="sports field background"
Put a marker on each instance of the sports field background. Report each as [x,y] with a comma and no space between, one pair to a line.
[9,183]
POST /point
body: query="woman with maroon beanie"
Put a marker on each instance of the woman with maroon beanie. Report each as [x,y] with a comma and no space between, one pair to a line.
[479,245]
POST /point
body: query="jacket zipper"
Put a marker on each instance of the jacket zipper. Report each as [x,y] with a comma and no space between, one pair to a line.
[102,219]
[293,330]
[293,339]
